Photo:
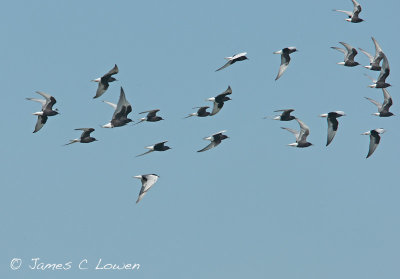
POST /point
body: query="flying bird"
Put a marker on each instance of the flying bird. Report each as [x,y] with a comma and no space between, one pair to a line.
[219,100]
[233,59]
[353,16]
[157,147]
[333,124]
[215,139]
[349,54]
[285,115]
[383,109]
[301,137]
[385,71]
[374,61]
[85,137]
[151,116]
[122,109]
[148,180]
[201,112]
[374,139]
[47,109]
[285,59]
[104,81]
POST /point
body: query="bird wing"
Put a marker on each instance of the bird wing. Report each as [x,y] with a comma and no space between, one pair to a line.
[122,106]
[388,102]
[150,113]
[370,57]
[101,88]
[113,71]
[332,128]
[226,65]
[285,59]
[236,56]
[379,105]
[211,145]
[43,102]
[159,145]
[40,123]
[216,108]
[385,71]
[86,132]
[357,8]
[148,181]
[294,132]
[374,139]
[346,12]
[50,100]
[340,49]
[147,152]
[111,104]
[304,131]
[378,50]
[351,51]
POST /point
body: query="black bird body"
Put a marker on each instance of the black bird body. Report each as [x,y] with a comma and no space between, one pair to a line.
[383,109]
[47,109]
[333,124]
[285,115]
[156,147]
[85,136]
[219,100]
[122,109]
[215,139]
[201,112]
[151,116]
[104,81]
[233,59]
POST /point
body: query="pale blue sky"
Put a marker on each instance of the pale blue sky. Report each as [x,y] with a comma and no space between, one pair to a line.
[251,208]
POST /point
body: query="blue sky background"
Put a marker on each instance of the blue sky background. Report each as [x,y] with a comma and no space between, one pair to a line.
[252,207]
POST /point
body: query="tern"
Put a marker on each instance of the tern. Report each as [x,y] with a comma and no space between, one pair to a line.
[333,124]
[47,109]
[148,180]
[374,139]
[219,100]
[385,71]
[353,16]
[285,59]
[104,81]
[383,109]
[301,137]
[157,147]
[151,116]
[349,54]
[122,109]
[85,137]
[215,139]
[285,115]
[374,61]
[233,59]
[201,112]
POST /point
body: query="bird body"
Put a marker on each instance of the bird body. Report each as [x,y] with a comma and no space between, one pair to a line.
[374,61]
[201,112]
[301,137]
[353,16]
[156,147]
[151,116]
[383,109]
[148,180]
[285,115]
[122,109]
[220,100]
[333,124]
[215,139]
[384,73]
[104,81]
[285,59]
[233,59]
[47,109]
[85,137]
[374,139]
[349,55]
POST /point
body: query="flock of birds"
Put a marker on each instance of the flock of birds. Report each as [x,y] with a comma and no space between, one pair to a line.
[123,108]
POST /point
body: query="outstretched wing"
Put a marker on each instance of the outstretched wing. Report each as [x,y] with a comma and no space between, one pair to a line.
[226,65]
[285,59]
[208,147]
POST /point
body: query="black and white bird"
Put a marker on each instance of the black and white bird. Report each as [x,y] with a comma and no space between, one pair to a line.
[301,137]
[104,81]
[151,116]
[374,139]
[233,59]
[349,54]
[85,137]
[157,147]
[215,139]
[385,71]
[148,180]
[383,109]
[122,109]
[219,100]
[333,124]
[374,61]
[285,59]
[353,16]
[201,112]
[47,109]
[285,115]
